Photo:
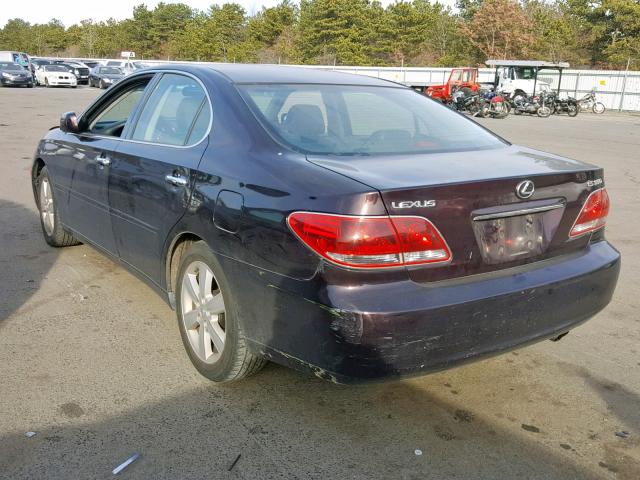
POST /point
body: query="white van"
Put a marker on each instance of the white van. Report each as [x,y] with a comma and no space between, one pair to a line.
[20,58]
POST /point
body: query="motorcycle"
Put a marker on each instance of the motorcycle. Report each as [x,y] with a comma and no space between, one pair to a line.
[589,101]
[498,104]
[533,105]
[479,105]
[567,105]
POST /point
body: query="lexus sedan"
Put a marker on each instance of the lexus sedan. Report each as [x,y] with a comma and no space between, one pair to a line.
[104,77]
[338,224]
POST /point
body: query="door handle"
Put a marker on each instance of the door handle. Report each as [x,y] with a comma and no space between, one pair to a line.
[176,180]
[103,160]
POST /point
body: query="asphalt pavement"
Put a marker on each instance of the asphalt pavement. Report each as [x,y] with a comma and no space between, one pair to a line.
[91,361]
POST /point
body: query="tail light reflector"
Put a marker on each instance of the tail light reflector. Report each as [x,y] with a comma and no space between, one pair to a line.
[593,214]
[370,242]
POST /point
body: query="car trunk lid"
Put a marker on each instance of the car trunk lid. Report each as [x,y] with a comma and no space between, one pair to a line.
[471,198]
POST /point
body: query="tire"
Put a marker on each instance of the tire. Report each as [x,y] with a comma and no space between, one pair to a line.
[46,82]
[503,112]
[54,233]
[544,111]
[201,328]
[598,108]
[572,110]
[102,85]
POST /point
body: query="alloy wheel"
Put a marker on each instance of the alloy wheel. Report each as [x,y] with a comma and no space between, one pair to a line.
[46,206]
[203,312]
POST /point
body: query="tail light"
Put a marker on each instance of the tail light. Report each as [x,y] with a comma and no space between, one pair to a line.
[370,242]
[593,214]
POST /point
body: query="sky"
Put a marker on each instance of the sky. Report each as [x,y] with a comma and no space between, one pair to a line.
[70,12]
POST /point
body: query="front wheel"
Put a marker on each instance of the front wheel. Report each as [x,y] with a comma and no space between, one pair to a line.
[598,107]
[544,111]
[46,82]
[102,85]
[54,233]
[208,320]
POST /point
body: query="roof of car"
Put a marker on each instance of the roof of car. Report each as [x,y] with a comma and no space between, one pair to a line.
[249,73]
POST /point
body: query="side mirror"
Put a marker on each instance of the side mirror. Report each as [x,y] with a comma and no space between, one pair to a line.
[69,122]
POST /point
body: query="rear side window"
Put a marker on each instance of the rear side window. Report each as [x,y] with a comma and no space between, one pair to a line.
[176,113]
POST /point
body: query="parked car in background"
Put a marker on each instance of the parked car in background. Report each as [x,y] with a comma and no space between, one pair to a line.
[339,224]
[80,70]
[55,75]
[37,63]
[104,77]
[14,75]
[91,64]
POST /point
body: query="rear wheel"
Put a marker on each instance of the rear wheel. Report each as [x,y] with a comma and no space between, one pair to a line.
[208,321]
[598,107]
[54,233]
[572,110]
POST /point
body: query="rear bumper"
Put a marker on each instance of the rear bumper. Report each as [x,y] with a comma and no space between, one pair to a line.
[372,332]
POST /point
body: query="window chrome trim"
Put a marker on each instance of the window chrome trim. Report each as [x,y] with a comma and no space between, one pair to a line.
[515,213]
[155,72]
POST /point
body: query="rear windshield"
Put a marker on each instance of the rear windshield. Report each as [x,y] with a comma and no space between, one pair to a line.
[110,71]
[360,120]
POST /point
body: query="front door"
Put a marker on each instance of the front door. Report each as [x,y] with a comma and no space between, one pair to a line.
[92,155]
[152,174]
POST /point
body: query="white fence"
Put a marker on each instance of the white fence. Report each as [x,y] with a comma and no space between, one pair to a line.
[618,90]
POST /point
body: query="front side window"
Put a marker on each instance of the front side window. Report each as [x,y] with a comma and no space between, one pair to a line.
[525,73]
[176,113]
[362,120]
[113,117]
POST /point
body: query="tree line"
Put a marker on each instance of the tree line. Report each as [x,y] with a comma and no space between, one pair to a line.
[586,33]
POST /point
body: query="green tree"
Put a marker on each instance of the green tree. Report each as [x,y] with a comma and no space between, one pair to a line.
[624,32]
[335,31]
[16,35]
[556,33]
[167,19]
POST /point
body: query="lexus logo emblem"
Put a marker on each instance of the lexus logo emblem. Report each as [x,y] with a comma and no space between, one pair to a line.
[525,189]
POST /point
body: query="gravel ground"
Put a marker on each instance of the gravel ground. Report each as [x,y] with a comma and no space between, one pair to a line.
[91,360]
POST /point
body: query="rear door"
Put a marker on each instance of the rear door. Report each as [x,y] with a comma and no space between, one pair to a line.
[151,177]
[90,156]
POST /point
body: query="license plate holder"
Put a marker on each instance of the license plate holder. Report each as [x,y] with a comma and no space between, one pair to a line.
[512,238]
